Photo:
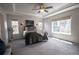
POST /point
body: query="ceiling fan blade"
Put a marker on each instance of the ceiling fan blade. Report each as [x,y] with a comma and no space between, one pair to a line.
[38,6]
[35,9]
[38,11]
[45,10]
[49,7]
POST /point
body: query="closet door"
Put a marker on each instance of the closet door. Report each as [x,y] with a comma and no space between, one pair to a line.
[47,27]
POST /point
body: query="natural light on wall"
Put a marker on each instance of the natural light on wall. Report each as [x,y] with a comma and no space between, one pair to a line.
[62,27]
[15,27]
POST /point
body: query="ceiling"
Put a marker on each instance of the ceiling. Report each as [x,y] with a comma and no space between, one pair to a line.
[26,8]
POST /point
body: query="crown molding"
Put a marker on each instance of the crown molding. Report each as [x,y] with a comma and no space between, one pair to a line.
[21,13]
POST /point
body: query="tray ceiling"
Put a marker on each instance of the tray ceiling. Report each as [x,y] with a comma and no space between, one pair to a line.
[26,8]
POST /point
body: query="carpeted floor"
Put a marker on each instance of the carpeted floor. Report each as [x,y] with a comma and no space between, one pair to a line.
[52,47]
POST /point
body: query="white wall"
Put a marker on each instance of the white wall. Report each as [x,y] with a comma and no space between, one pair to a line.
[74,25]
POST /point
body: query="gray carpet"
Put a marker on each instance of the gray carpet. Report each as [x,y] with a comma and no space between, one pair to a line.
[52,47]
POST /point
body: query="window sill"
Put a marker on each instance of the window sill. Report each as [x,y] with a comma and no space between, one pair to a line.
[62,33]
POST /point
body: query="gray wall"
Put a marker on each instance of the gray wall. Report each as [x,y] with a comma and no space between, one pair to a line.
[3,28]
[0,25]
[74,25]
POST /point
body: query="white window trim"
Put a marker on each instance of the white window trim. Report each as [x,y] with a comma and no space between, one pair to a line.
[18,29]
[62,33]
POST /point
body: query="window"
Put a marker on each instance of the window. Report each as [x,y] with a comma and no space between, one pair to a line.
[15,27]
[62,26]
[40,25]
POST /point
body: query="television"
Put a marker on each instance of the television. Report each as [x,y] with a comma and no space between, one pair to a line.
[29,23]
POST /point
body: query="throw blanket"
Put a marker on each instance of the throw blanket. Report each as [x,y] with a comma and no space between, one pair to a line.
[34,37]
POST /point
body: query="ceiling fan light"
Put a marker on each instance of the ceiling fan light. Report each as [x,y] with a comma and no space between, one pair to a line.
[41,10]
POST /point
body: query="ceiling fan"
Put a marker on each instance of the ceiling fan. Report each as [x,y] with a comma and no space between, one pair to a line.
[42,8]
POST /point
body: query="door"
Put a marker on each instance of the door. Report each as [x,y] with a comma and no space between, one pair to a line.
[47,27]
